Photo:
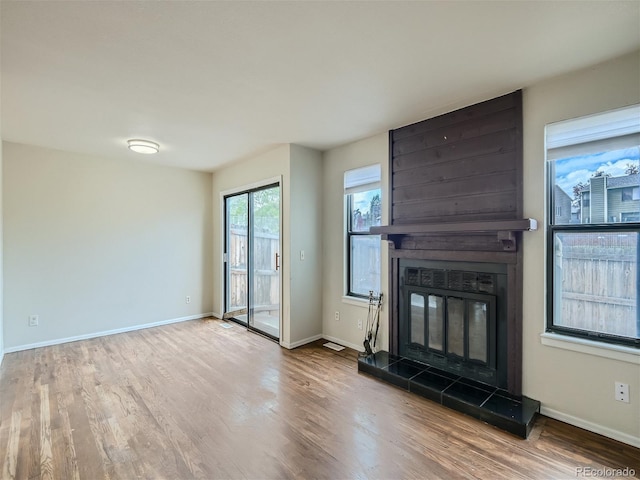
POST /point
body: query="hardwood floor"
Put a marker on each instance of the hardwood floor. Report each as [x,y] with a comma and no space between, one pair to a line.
[196,400]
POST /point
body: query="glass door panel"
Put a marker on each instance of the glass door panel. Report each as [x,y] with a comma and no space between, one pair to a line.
[455,326]
[237,229]
[264,313]
[478,331]
[436,320]
[417,318]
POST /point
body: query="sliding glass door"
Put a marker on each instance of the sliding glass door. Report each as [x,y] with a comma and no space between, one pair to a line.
[236,257]
[264,260]
[252,280]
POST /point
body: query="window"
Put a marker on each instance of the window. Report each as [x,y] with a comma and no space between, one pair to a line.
[593,255]
[363,198]
[630,217]
[630,193]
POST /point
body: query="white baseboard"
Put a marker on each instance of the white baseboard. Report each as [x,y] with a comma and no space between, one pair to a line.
[104,333]
[300,342]
[592,427]
[216,314]
[339,341]
[1,356]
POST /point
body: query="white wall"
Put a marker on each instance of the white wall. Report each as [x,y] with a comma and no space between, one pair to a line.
[306,235]
[1,236]
[573,386]
[95,245]
[1,262]
[336,161]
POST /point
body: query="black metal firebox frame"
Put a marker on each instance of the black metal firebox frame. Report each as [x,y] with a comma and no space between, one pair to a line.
[483,282]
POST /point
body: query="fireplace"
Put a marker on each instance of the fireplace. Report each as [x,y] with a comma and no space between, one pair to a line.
[452,315]
[455,263]
[453,337]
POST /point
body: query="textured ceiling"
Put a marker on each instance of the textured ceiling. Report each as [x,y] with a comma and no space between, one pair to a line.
[214,82]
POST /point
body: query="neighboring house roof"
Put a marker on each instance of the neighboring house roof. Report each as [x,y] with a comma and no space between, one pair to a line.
[618,182]
[624,181]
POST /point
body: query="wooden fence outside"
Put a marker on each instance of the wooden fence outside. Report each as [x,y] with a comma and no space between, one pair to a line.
[599,291]
[266,278]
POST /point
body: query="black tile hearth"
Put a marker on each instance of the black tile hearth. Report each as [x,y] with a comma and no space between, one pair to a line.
[467,394]
[513,411]
[376,363]
[390,368]
[406,368]
[399,373]
[380,359]
[430,385]
[492,405]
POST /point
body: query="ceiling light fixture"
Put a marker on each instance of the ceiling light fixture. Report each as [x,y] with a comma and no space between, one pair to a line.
[143,146]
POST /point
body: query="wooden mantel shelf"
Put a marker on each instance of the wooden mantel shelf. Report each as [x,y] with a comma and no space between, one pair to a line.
[505,230]
[461,227]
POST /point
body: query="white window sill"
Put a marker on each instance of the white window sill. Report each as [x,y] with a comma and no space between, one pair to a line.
[356,301]
[600,349]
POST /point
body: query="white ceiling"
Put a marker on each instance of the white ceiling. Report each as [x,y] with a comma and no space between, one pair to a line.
[214,82]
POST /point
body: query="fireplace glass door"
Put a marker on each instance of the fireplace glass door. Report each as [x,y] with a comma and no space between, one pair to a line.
[455,325]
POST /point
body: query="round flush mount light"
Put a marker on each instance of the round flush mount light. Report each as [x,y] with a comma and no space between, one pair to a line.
[143,146]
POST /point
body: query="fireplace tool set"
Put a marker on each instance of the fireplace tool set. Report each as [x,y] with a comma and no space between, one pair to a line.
[373,323]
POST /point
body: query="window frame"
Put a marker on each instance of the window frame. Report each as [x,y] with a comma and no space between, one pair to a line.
[632,192]
[552,230]
[350,234]
[551,282]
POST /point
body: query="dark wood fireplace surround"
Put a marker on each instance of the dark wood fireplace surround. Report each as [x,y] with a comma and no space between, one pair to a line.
[456,195]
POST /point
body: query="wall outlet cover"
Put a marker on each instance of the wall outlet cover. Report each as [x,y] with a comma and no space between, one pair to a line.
[622,392]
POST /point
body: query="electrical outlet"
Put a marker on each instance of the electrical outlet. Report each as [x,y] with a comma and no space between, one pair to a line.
[34,320]
[187,299]
[337,316]
[622,392]
[360,324]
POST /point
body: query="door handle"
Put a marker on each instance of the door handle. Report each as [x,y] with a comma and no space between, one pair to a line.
[277,259]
